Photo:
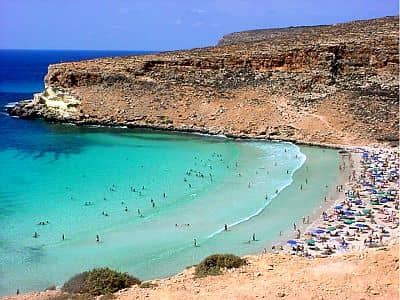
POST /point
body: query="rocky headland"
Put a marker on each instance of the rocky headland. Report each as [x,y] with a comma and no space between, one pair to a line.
[333,84]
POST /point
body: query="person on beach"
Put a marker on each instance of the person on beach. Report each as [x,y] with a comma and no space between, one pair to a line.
[308,219]
[304,220]
[294,226]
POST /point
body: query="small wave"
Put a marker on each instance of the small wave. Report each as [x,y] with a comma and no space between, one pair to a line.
[10,104]
[303,158]
[222,136]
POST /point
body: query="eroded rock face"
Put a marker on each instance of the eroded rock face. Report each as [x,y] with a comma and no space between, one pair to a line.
[327,84]
[52,104]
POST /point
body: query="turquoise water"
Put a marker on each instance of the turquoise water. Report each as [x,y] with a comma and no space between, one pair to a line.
[49,171]
[120,169]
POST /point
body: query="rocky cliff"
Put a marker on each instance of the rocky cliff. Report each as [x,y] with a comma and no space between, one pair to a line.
[327,84]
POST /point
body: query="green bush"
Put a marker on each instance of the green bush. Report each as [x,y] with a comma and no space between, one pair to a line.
[212,264]
[99,281]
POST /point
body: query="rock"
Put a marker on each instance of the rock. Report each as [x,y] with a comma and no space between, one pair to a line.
[294,84]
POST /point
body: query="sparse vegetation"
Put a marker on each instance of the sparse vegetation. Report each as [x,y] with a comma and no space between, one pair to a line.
[99,281]
[148,284]
[212,264]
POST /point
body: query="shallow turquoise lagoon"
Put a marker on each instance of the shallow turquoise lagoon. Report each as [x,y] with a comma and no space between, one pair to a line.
[93,181]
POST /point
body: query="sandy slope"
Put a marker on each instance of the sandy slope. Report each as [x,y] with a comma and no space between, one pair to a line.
[372,274]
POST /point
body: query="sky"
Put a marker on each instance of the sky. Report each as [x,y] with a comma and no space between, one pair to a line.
[157,25]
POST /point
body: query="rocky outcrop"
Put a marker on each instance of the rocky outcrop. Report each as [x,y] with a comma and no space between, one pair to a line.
[328,84]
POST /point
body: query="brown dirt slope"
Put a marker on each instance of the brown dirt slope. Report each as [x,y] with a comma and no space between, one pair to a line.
[329,84]
[366,275]
[373,274]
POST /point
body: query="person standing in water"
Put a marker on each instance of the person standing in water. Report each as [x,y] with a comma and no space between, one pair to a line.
[226,227]
[254,237]
[63,237]
[97,238]
[195,242]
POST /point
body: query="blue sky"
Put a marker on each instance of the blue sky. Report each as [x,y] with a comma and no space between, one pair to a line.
[163,25]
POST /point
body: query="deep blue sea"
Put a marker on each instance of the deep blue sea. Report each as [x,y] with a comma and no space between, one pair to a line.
[147,194]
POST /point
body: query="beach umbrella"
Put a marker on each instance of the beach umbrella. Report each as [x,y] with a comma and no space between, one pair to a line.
[374,203]
[349,212]
[384,200]
[331,228]
[310,242]
[338,206]
[292,242]
[358,202]
[349,221]
[360,225]
[367,210]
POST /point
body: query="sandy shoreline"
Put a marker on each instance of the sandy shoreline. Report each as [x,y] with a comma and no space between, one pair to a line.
[361,196]
[332,197]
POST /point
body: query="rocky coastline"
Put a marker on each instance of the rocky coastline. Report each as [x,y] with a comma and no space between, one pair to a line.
[325,85]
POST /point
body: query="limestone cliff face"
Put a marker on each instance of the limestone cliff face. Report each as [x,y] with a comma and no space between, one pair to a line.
[328,84]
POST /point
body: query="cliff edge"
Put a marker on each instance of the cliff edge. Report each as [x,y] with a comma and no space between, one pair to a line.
[325,84]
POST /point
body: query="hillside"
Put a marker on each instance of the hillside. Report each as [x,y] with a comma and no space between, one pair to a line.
[371,274]
[326,84]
